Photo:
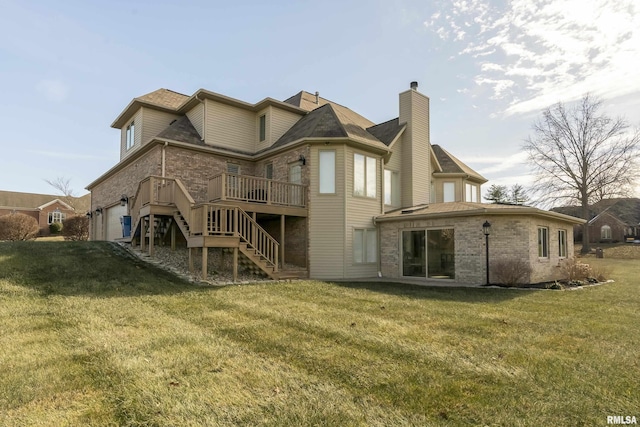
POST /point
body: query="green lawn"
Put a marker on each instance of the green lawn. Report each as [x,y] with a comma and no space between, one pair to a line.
[91,336]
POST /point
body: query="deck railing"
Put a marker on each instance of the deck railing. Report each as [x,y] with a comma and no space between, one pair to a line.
[228,186]
[209,219]
[159,190]
[216,220]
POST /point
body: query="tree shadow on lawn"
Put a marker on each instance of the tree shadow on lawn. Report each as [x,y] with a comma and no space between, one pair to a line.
[444,293]
[96,269]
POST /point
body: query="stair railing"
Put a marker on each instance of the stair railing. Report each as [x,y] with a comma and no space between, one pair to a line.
[233,221]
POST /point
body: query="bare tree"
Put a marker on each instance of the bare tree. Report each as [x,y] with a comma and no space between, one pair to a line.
[581,155]
[63,185]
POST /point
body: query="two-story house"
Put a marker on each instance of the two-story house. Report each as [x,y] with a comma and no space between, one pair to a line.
[311,183]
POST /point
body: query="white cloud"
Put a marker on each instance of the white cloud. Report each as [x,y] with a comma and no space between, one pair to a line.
[534,53]
[53,90]
[496,164]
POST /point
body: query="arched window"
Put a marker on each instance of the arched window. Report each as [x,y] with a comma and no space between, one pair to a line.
[605,232]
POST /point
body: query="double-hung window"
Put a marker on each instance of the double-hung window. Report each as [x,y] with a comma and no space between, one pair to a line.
[471,193]
[543,242]
[130,135]
[365,246]
[364,175]
[562,243]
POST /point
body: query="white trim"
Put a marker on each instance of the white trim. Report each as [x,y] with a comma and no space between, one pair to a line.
[54,201]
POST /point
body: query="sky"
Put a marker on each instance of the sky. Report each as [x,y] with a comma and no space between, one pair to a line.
[69,68]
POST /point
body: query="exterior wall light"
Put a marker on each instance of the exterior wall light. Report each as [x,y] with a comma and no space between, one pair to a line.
[124,200]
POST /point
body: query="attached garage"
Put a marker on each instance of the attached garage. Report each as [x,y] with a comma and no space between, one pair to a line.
[113,227]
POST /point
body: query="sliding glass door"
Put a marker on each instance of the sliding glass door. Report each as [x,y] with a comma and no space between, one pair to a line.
[428,253]
[413,250]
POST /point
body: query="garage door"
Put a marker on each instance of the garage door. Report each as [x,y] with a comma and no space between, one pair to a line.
[114,228]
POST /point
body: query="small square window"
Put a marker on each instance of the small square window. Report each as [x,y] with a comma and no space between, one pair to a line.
[233,168]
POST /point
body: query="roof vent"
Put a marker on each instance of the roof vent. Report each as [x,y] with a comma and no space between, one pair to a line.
[414,85]
[317,98]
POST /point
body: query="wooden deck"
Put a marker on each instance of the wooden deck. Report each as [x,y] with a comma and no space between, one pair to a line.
[163,206]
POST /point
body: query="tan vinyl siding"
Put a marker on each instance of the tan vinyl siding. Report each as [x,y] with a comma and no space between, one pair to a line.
[268,113]
[359,214]
[326,220]
[137,135]
[230,127]
[196,117]
[416,156]
[281,121]
[395,164]
[458,192]
[154,122]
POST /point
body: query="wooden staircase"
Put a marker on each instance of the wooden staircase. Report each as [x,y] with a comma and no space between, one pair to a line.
[205,225]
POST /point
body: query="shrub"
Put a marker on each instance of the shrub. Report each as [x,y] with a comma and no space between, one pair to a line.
[76,228]
[510,272]
[55,227]
[574,270]
[18,227]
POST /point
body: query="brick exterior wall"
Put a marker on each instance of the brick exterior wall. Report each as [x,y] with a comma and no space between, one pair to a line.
[195,168]
[618,230]
[512,237]
[125,181]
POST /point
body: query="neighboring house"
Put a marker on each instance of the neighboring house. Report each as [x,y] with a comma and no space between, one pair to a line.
[45,208]
[310,183]
[612,220]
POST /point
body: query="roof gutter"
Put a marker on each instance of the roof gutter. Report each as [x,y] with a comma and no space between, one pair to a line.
[483,212]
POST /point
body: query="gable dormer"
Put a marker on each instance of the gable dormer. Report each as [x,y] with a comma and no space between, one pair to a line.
[145,117]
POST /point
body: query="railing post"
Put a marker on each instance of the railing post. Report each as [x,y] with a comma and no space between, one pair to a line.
[236,225]
[223,187]
[269,192]
[205,222]
[275,264]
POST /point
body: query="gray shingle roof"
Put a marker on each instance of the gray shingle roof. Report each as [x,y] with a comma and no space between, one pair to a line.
[182,130]
[450,164]
[327,121]
[387,131]
[307,101]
